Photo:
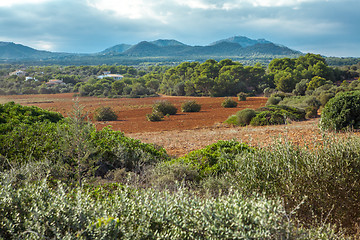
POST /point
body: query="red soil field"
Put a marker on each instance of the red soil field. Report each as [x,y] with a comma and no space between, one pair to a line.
[132,111]
[183,132]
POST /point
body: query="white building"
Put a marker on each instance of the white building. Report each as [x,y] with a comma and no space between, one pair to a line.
[109,75]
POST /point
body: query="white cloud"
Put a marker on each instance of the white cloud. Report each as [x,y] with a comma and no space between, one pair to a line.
[10,3]
[196,4]
[134,9]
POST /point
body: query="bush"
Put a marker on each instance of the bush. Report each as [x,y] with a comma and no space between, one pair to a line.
[273,100]
[311,112]
[242,96]
[164,107]
[245,116]
[313,102]
[232,120]
[216,158]
[229,103]
[105,114]
[276,115]
[155,117]
[325,97]
[268,118]
[342,112]
[190,106]
[114,211]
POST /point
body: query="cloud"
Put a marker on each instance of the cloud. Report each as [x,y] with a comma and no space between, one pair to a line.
[10,3]
[93,25]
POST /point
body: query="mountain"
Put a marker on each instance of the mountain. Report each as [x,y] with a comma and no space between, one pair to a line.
[162,50]
[11,51]
[167,42]
[231,47]
[117,49]
[243,41]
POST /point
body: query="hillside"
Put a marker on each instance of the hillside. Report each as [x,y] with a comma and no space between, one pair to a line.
[162,50]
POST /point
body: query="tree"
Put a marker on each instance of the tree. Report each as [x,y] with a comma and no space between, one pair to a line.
[284,81]
[315,83]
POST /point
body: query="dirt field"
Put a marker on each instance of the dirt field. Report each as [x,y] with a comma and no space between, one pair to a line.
[182,132]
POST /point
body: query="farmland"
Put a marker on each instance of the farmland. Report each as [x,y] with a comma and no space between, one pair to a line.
[180,133]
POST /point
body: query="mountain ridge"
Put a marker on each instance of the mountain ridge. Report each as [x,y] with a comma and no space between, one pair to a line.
[169,49]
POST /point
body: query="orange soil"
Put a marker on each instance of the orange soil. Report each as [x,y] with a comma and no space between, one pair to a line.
[182,132]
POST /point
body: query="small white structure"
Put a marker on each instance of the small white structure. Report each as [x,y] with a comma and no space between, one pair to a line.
[109,75]
[30,78]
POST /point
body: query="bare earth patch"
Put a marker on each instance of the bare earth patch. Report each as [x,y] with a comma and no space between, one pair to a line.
[183,132]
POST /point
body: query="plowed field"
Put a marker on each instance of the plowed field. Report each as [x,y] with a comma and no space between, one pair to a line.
[182,132]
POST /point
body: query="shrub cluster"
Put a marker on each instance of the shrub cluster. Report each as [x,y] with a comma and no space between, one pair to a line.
[342,112]
[269,115]
[118,212]
[242,96]
[229,103]
[190,106]
[276,115]
[165,107]
[105,114]
[245,116]
[160,109]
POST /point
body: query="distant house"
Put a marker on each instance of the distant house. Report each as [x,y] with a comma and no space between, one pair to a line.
[53,82]
[30,78]
[107,74]
[18,73]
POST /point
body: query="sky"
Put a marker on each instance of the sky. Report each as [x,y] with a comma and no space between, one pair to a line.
[327,27]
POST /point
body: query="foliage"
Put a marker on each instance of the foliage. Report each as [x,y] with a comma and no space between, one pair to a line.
[315,83]
[277,114]
[212,78]
[214,159]
[12,115]
[190,106]
[325,97]
[342,112]
[63,213]
[105,114]
[311,112]
[165,107]
[273,100]
[245,116]
[75,142]
[155,117]
[229,103]
[242,96]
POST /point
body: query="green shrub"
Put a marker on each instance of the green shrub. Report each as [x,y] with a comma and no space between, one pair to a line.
[342,112]
[232,120]
[229,103]
[325,97]
[105,114]
[268,118]
[114,211]
[242,96]
[216,158]
[165,107]
[12,115]
[311,112]
[293,113]
[155,117]
[245,116]
[190,106]
[276,115]
[313,102]
[273,100]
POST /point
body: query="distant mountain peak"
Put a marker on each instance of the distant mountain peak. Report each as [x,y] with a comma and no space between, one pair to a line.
[167,42]
[243,41]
